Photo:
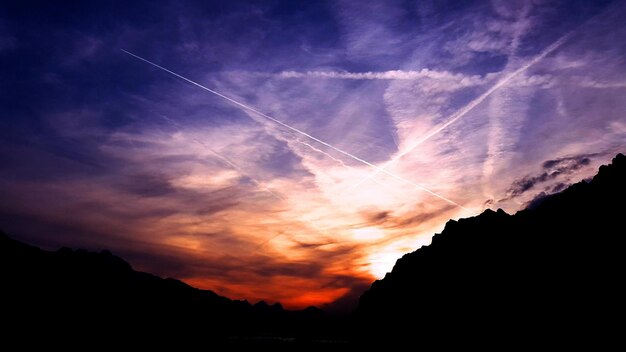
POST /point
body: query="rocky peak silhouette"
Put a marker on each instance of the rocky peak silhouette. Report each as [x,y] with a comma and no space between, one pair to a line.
[67,294]
[551,272]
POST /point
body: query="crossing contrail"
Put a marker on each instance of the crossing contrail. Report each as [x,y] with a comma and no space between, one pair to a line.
[249,108]
[467,108]
[339,161]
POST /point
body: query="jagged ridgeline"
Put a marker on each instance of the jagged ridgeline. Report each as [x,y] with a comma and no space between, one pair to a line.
[67,296]
[553,270]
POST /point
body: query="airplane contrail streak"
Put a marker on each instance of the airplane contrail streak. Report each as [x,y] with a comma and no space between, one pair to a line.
[467,108]
[339,161]
[246,107]
[234,166]
[226,161]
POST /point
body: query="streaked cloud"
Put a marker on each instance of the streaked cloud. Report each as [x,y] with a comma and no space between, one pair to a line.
[553,169]
[386,75]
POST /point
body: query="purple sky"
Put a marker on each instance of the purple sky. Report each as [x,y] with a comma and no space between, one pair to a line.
[465,105]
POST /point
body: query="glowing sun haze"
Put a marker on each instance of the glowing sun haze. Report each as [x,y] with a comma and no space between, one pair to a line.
[484,104]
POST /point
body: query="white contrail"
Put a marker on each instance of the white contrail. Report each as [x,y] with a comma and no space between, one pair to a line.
[382,75]
[226,160]
[467,108]
[296,130]
[339,161]
[234,166]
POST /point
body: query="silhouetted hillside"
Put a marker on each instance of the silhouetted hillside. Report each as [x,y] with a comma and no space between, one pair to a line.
[553,271]
[66,296]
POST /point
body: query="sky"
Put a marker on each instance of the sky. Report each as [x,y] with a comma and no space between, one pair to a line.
[295,149]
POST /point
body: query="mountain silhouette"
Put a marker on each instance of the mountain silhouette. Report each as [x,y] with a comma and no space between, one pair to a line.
[552,273]
[75,295]
[549,275]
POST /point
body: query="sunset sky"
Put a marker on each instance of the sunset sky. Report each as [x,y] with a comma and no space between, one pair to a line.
[379,121]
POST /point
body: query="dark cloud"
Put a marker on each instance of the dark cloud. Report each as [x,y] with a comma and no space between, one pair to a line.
[214,202]
[307,245]
[559,187]
[419,215]
[524,184]
[222,239]
[552,169]
[572,162]
[147,185]
[376,217]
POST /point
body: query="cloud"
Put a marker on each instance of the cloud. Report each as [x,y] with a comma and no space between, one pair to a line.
[594,83]
[147,185]
[552,169]
[568,164]
[386,75]
[365,32]
[410,219]
[421,217]
[377,217]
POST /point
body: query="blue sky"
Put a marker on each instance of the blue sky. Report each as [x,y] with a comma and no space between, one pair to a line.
[466,105]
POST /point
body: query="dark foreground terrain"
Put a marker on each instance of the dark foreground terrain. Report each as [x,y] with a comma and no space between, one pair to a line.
[72,295]
[553,272]
[550,274]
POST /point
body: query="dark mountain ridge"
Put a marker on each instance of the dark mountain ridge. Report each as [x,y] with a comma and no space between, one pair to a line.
[69,294]
[551,272]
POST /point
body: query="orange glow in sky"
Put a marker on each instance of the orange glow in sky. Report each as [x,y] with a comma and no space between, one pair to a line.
[249,165]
